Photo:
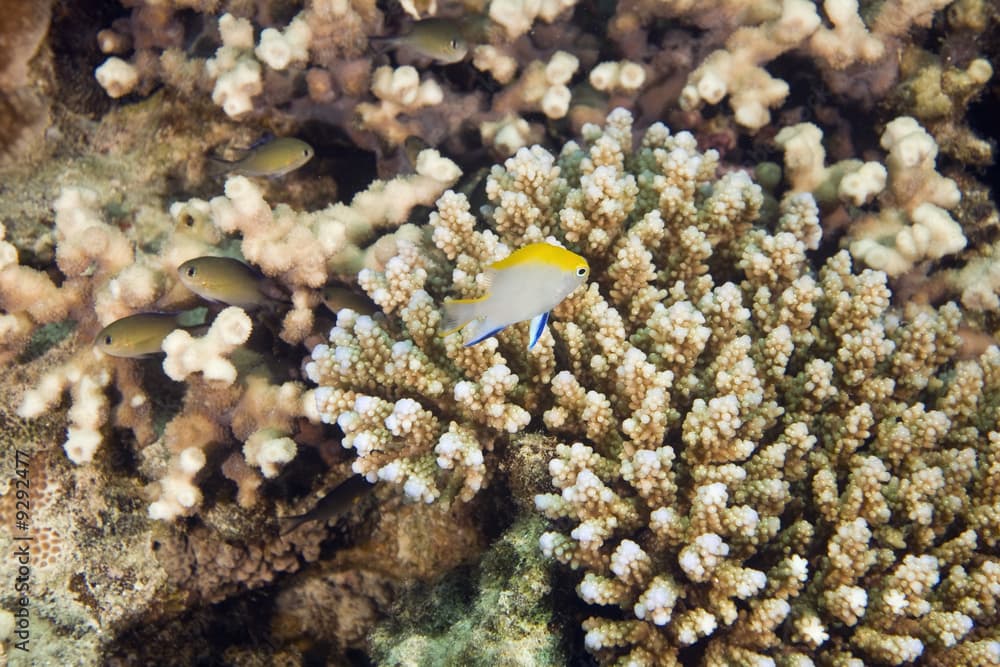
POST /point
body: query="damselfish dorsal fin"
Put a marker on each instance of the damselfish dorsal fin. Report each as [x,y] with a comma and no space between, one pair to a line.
[536,328]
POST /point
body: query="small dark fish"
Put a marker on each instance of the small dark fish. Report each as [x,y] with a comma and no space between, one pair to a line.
[412,146]
[585,94]
[434,38]
[136,336]
[337,298]
[340,500]
[225,280]
[276,157]
[472,184]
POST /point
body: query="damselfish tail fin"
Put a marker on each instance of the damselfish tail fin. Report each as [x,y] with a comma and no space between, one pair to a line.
[218,166]
[456,313]
[379,44]
[289,523]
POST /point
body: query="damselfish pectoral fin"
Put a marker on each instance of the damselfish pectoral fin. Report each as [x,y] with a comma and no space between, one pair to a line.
[456,313]
[487,278]
[536,328]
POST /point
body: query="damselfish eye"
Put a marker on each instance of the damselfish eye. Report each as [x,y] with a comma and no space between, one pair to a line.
[582,271]
[454,43]
[190,272]
[107,340]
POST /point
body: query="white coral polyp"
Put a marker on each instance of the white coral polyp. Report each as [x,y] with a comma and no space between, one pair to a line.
[628,557]
[81,444]
[704,555]
[269,450]
[657,602]
[117,77]
[418,488]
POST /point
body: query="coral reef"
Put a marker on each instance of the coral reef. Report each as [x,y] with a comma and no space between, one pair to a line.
[913,224]
[760,433]
[772,451]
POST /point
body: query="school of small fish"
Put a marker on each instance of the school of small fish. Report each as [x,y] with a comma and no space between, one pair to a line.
[223,280]
[526,285]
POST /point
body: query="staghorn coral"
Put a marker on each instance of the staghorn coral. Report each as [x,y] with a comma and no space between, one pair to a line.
[915,193]
[400,92]
[855,47]
[849,181]
[939,95]
[751,53]
[313,66]
[762,459]
[541,86]
[736,71]
[848,46]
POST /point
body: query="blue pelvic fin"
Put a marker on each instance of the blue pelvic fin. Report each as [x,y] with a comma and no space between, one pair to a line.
[536,328]
[481,338]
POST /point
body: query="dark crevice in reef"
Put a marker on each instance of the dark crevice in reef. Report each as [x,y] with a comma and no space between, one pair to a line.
[72,38]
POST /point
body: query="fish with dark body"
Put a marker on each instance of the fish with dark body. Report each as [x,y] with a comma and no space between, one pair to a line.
[440,40]
[336,298]
[340,500]
[273,158]
[136,336]
[225,280]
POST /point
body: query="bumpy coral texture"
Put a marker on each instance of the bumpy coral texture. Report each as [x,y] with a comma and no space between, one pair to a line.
[761,461]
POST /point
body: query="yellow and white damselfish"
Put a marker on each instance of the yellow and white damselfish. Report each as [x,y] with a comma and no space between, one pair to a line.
[524,286]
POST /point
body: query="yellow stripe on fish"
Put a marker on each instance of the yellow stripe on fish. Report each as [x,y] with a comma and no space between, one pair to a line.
[547,254]
[524,286]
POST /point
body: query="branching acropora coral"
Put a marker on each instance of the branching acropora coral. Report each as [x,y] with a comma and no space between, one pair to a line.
[755,456]
[913,223]
[852,49]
